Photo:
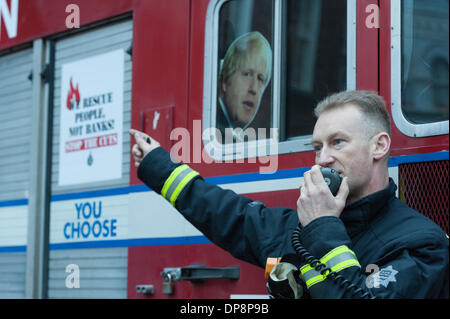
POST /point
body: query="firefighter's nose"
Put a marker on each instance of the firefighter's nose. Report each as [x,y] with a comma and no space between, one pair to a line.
[324,158]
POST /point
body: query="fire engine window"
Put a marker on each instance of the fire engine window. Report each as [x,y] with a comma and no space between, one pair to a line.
[314,60]
[424,58]
[245,55]
[267,65]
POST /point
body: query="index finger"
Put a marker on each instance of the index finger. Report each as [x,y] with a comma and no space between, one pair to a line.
[138,135]
[132,131]
[316,175]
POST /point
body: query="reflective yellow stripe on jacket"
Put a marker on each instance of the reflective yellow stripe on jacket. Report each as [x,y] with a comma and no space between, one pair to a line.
[176,182]
[337,259]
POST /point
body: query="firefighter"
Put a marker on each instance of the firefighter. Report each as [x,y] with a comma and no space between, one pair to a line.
[364,235]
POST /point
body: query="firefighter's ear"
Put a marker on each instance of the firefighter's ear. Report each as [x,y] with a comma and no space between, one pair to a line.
[381,143]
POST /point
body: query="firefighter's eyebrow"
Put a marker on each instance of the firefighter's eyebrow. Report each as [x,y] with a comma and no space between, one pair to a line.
[339,133]
[315,143]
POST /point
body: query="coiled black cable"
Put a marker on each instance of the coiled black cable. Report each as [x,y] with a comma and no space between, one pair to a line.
[324,270]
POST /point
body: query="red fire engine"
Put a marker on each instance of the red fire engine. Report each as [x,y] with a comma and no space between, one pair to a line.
[75,221]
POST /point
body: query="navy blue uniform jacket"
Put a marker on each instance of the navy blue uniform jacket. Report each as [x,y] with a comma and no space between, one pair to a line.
[409,251]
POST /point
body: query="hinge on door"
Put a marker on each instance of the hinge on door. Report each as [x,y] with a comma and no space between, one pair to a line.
[129,51]
[46,73]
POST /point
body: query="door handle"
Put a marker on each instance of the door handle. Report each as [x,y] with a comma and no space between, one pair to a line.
[200,272]
[196,273]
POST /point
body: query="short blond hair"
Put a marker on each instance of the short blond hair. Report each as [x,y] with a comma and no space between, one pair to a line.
[238,52]
[371,105]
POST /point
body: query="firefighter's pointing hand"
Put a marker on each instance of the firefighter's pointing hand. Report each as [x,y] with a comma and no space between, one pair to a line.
[144,145]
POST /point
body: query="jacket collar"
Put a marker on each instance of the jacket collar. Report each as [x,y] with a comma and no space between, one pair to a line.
[358,215]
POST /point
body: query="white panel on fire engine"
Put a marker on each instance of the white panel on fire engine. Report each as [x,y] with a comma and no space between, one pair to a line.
[90,128]
[15,116]
[90,163]
[92,109]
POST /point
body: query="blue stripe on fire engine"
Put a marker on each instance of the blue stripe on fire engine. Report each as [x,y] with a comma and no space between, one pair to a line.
[238,178]
[185,240]
[228,179]
[13,249]
[427,157]
[16,202]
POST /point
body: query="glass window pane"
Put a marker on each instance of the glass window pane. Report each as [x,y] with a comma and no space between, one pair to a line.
[244,86]
[315,60]
[425,60]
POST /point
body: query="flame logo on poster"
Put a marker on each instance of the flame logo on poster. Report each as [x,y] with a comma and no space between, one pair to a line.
[73,97]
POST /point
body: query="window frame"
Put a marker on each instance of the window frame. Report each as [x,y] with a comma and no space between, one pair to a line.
[273,146]
[401,122]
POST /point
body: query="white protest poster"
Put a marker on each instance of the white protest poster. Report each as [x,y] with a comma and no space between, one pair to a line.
[91,119]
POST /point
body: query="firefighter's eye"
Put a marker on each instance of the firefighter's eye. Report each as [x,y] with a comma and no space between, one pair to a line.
[338,142]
